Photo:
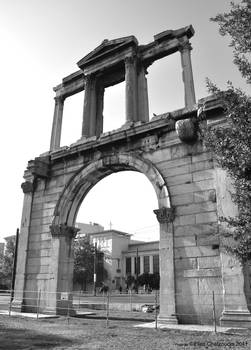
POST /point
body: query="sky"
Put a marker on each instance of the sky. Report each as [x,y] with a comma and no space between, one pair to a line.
[41,41]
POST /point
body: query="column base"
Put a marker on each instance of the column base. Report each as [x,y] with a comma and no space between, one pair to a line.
[172,319]
[235,318]
[17,305]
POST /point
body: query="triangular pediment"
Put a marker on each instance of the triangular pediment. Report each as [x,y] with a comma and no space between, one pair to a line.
[106,48]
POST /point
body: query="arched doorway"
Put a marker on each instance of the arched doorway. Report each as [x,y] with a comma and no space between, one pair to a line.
[68,205]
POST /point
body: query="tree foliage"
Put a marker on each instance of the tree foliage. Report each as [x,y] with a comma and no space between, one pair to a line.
[84,253]
[231,143]
[237,24]
[150,280]
[6,263]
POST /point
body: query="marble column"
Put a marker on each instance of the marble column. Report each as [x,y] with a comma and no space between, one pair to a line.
[187,75]
[132,265]
[100,107]
[57,123]
[141,264]
[61,268]
[150,264]
[90,108]
[143,105]
[165,216]
[131,88]
[28,188]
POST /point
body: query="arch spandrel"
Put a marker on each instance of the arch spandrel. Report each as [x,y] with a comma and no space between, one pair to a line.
[86,178]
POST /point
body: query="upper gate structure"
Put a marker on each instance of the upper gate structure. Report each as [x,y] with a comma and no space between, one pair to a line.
[190,188]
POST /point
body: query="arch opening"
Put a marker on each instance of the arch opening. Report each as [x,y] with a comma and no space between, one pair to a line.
[124,254]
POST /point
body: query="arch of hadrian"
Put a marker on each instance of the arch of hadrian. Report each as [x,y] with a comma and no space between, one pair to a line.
[191,190]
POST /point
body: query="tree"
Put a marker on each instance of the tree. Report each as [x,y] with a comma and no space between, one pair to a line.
[150,280]
[84,253]
[231,143]
[6,263]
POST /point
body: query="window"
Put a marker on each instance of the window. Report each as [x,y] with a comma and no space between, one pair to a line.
[155,263]
[146,264]
[128,266]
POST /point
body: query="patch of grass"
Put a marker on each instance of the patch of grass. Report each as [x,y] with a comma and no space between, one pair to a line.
[19,333]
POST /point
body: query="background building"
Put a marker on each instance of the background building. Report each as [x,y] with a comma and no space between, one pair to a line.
[123,256]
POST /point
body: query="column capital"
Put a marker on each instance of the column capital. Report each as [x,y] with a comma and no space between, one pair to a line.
[185,47]
[63,230]
[59,99]
[130,59]
[164,214]
[28,187]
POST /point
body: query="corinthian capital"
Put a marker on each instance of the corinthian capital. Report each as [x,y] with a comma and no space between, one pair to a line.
[64,230]
[185,47]
[164,214]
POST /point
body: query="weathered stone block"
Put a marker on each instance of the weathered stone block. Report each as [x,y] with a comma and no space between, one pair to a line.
[203,196]
[203,165]
[187,263]
[209,262]
[179,179]
[202,273]
[198,229]
[206,217]
[194,252]
[184,241]
[182,199]
[195,208]
[37,269]
[208,240]
[178,170]
[202,156]
[184,220]
[203,175]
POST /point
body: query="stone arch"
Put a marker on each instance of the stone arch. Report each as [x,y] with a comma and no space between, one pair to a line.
[87,177]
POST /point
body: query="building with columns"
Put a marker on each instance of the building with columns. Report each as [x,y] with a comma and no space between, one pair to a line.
[123,256]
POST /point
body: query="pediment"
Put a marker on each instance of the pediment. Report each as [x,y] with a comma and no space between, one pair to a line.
[107,48]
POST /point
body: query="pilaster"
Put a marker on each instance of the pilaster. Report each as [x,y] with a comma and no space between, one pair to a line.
[57,123]
[165,216]
[28,188]
[187,75]
[61,268]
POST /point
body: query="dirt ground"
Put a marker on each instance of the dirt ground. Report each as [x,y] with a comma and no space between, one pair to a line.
[17,333]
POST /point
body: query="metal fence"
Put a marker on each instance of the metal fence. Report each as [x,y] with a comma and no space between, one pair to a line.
[190,308]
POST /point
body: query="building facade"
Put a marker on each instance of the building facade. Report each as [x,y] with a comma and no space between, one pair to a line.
[123,256]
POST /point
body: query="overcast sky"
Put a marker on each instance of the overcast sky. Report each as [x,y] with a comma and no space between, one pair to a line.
[41,41]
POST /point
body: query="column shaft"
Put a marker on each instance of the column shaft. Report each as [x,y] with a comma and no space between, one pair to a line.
[187,75]
[99,115]
[151,264]
[61,268]
[132,265]
[57,123]
[90,107]
[131,88]
[165,217]
[143,105]
[141,265]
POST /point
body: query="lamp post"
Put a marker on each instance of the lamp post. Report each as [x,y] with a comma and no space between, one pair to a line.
[94,270]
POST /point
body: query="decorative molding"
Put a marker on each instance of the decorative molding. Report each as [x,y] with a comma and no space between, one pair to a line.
[27,187]
[186,130]
[64,230]
[164,214]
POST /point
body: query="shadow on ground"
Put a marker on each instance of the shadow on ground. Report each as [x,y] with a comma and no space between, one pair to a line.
[18,339]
